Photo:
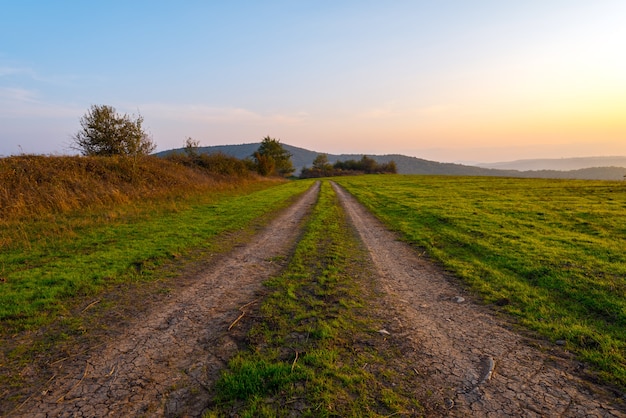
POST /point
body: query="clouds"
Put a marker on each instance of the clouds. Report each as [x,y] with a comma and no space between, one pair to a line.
[25,93]
[18,75]
[218,115]
[6,71]
[20,103]
[334,77]
[15,94]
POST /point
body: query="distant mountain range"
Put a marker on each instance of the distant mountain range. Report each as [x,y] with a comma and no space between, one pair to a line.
[562,164]
[597,168]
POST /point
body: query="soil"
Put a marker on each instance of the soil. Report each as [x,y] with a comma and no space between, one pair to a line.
[465,359]
[164,362]
[470,360]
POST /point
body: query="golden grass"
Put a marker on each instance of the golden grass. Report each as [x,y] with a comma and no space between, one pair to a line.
[34,185]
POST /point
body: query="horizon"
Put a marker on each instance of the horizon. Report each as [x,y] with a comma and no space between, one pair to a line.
[471,163]
[485,82]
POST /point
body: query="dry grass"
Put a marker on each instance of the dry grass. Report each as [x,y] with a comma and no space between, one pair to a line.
[33,185]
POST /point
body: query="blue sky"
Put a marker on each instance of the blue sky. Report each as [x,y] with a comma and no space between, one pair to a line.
[444,80]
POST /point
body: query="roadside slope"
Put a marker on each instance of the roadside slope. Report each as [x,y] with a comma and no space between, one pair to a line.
[472,363]
[163,363]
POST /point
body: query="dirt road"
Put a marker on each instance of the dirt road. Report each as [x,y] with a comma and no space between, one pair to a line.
[163,364]
[472,364]
[466,359]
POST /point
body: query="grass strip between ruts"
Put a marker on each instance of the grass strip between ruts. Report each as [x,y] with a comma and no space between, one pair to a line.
[312,351]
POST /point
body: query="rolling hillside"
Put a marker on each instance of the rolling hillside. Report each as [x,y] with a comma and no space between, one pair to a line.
[411,165]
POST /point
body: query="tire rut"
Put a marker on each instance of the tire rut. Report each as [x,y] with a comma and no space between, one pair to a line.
[472,364]
[164,363]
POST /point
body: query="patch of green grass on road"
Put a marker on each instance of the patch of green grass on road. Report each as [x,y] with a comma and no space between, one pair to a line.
[550,252]
[312,352]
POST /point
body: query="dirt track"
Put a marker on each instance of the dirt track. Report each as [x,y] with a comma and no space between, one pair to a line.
[163,364]
[469,362]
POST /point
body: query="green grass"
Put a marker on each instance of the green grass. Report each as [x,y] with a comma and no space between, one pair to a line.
[314,352]
[550,252]
[67,257]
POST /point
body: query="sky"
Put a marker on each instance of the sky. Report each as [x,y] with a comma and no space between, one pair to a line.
[449,81]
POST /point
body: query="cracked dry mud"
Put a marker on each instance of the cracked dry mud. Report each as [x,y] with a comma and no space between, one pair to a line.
[467,360]
[471,362]
[163,364]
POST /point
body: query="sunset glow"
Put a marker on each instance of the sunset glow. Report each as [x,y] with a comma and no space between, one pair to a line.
[449,81]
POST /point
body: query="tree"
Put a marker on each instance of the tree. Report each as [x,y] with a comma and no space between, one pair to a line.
[105,132]
[191,147]
[368,164]
[272,159]
[321,163]
[265,165]
[390,167]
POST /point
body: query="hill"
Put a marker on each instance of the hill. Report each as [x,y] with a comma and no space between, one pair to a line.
[37,185]
[560,164]
[302,157]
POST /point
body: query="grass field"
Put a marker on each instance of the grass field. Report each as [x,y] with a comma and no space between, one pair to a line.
[549,252]
[62,258]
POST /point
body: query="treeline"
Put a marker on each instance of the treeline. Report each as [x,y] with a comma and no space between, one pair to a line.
[219,164]
[270,159]
[322,168]
[106,133]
